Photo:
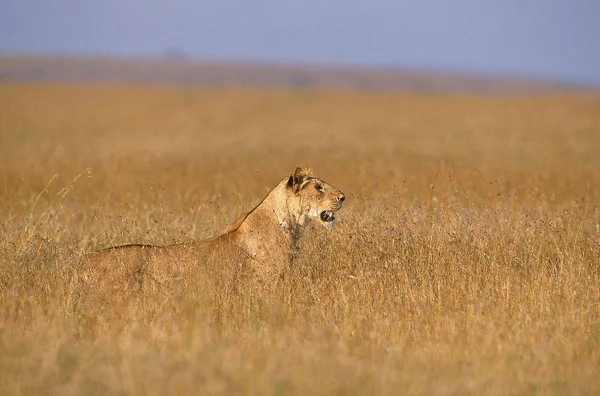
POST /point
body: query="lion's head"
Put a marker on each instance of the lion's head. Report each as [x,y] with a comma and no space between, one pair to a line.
[317,199]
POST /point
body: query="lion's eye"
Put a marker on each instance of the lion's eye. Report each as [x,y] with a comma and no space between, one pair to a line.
[319,188]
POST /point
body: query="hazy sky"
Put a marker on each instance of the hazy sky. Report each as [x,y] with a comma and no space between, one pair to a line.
[557,39]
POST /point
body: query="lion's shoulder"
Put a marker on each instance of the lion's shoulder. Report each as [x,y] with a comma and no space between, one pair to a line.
[238,222]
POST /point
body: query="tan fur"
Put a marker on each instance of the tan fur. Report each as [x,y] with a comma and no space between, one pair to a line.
[238,222]
[262,241]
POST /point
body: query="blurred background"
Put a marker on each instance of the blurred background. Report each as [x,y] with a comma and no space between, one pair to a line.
[383,44]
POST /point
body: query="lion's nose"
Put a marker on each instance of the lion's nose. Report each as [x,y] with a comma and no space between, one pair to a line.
[341,198]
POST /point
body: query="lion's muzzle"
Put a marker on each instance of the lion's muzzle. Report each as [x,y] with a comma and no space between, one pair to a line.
[341,199]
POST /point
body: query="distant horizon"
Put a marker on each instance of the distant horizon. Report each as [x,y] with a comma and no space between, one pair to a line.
[417,70]
[174,68]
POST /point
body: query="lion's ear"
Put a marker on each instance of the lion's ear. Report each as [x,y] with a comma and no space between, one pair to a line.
[298,177]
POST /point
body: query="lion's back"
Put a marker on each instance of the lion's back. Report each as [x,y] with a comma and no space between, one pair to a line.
[120,265]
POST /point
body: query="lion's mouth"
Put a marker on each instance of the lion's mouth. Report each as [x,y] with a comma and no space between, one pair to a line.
[327,216]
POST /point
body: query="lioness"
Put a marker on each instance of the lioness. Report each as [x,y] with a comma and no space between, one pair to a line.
[264,239]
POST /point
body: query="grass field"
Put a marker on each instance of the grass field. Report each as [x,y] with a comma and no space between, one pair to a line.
[466,259]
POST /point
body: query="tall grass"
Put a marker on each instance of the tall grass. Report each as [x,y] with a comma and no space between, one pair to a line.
[466,259]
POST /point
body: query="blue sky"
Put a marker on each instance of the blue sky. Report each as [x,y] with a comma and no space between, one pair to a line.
[553,39]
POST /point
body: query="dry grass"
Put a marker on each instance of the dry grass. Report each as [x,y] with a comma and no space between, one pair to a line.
[466,260]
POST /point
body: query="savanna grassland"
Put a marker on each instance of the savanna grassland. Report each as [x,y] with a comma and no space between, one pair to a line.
[466,259]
